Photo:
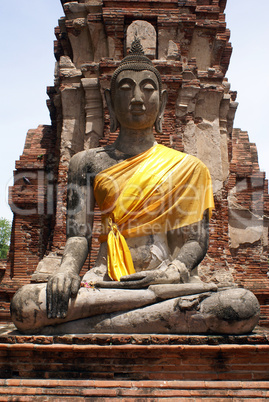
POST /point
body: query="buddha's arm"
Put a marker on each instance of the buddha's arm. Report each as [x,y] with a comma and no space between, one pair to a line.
[188,245]
[65,282]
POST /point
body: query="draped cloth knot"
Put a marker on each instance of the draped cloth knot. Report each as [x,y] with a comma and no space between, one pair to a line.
[156,191]
[119,259]
[112,226]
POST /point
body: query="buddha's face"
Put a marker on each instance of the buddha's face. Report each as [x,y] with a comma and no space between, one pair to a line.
[136,100]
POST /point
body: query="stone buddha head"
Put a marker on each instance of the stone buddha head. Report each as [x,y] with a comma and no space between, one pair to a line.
[136,99]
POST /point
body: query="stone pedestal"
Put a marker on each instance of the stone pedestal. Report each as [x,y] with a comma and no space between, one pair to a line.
[152,367]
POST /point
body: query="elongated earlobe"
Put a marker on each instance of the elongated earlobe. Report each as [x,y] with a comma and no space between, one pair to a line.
[113,120]
[159,120]
[159,125]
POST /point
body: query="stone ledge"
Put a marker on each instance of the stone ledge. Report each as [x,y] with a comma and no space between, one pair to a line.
[9,335]
[134,357]
[47,390]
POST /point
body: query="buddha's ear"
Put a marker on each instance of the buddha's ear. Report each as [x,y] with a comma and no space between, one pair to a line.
[159,120]
[113,119]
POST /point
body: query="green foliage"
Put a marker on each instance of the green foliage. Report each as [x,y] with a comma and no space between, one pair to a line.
[5,232]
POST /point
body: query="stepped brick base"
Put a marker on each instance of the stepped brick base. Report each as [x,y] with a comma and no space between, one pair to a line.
[132,391]
[134,367]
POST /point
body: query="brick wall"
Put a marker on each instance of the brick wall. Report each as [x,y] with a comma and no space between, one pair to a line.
[135,358]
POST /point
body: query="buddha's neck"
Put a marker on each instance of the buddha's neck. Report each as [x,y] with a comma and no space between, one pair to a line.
[134,142]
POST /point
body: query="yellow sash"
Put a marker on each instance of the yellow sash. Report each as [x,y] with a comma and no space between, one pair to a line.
[154,192]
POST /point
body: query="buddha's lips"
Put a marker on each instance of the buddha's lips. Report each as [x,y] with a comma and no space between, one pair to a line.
[137,109]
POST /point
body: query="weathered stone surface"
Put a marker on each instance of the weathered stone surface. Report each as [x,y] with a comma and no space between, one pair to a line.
[45,268]
[234,311]
[147,35]
[94,113]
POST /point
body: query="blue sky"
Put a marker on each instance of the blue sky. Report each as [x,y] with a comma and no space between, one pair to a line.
[27,68]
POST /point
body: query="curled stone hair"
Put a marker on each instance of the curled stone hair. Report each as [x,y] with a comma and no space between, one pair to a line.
[135,61]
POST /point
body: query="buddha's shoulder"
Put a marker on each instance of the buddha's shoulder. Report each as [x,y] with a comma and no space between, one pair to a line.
[182,156]
[94,160]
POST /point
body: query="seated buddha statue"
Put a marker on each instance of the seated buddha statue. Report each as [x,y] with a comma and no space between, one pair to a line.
[155,205]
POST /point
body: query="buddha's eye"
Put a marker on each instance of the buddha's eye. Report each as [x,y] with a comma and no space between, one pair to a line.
[149,87]
[125,86]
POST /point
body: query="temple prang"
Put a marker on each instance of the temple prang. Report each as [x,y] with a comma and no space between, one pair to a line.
[188,42]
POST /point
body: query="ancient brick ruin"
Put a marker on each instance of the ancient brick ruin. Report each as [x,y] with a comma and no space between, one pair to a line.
[188,42]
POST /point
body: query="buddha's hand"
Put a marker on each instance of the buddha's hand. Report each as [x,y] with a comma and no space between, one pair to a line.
[175,272]
[60,288]
[178,270]
[138,280]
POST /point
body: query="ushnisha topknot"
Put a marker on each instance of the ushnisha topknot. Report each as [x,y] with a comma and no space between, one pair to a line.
[135,61]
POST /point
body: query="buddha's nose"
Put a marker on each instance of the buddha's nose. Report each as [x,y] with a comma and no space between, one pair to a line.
[137,97]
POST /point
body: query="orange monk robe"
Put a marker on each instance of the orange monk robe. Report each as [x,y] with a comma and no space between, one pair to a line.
[153,192]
